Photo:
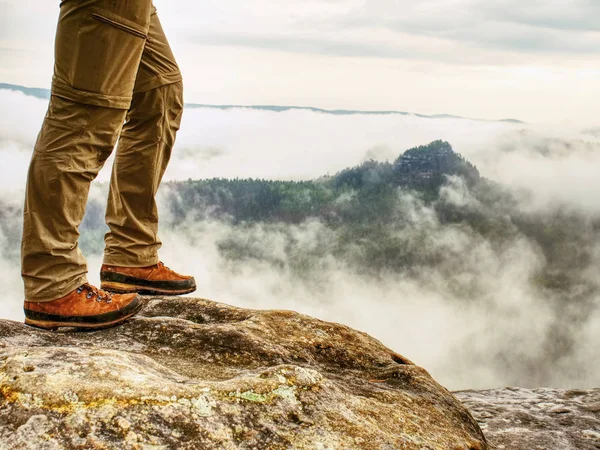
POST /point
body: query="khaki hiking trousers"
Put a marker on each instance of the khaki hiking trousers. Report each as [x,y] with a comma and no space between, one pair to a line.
[115,78]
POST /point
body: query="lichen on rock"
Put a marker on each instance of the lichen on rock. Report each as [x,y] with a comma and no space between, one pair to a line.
[192,373]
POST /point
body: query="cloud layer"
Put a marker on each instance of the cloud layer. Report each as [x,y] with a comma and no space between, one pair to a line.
[503,332]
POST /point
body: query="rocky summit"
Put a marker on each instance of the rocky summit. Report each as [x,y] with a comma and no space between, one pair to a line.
[429,165]
[195,374]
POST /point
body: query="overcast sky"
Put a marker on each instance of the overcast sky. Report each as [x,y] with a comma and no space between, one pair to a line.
[534,60]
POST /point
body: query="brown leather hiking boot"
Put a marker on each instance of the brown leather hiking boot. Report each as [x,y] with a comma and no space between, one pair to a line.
[85,307]
[151,280]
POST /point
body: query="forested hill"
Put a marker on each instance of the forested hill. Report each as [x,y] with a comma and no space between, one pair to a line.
[364,192]
[394,211]
[408,216]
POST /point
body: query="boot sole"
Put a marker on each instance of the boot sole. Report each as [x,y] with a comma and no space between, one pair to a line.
[83,325]
[124,284]
[124,288]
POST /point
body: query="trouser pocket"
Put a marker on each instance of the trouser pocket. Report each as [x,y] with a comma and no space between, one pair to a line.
[97,58]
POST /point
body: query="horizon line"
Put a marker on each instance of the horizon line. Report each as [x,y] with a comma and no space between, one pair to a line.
[43,93]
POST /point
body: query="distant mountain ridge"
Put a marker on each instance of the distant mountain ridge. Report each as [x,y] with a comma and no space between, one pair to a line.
[34,92]
[45,94]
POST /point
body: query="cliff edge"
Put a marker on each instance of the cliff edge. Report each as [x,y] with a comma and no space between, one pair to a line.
[191,373]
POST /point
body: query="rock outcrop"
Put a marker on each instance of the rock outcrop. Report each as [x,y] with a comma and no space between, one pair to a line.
[195,374]
[537,419]
[428,165]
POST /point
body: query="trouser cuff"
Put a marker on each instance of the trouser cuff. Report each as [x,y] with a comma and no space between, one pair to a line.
[50,294]
[120,261]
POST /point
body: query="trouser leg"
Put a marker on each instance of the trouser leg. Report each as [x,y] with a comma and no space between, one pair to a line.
[98,51]
[142,156]
[72,146]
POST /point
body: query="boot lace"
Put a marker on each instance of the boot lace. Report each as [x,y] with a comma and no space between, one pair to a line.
[101,296]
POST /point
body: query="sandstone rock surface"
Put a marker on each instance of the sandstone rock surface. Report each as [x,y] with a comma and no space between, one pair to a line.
[195,374]
[537,419]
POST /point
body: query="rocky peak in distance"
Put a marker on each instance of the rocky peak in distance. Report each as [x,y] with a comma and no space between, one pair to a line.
[427,166]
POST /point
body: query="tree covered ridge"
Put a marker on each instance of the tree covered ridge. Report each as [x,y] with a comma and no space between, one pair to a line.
[402,217]
[371,207]
[344,196]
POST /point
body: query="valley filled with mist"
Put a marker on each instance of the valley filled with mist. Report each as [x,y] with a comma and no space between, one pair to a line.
[471,247]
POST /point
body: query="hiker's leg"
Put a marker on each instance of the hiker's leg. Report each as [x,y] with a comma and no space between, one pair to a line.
[142,156]
[98,50]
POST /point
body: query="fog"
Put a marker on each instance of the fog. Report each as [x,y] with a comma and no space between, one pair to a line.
[497,329]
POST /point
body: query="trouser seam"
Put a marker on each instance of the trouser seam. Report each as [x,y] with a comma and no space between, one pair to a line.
[90,98]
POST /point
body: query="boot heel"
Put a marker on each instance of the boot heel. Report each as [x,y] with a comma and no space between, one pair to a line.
[120,288]
[50,326]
